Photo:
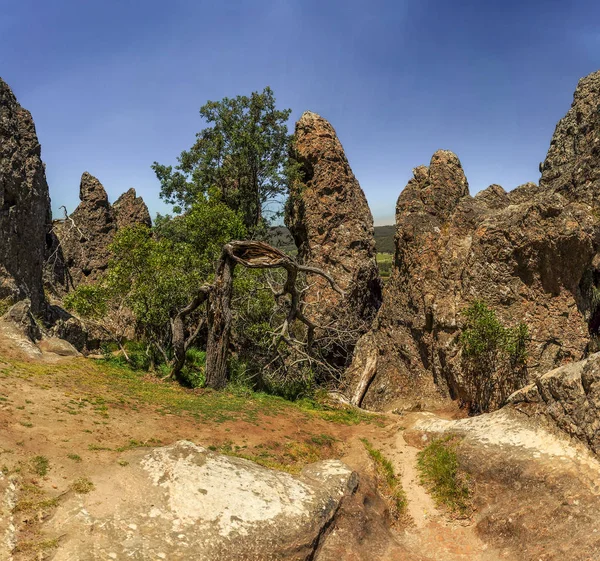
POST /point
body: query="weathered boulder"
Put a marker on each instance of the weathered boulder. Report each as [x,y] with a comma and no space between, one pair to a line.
[570,397]
[332,226]
[130,210]
[78,248]
[571,165]
[24,204]
[184,502]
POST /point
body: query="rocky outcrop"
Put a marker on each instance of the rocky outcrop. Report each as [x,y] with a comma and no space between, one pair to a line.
[571,165]
[79,246]
[570,397]
[183,498]
[528,478]
[24,204]
[531,255]
[332,226]
[129,210]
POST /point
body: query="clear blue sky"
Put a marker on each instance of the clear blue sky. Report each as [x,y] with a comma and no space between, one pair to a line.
[115,85]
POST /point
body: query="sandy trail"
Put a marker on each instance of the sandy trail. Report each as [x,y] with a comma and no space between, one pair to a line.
[434,535]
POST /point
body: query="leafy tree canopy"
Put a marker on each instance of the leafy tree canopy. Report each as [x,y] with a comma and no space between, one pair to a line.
[243,154]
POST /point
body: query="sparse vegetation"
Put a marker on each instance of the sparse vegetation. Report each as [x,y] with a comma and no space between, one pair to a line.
[494,357]
[74,457]
[40,465]
[82,486]
[389,483]
[441,474]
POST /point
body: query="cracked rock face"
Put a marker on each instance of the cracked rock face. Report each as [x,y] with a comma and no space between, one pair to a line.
[24,204]
[183,502]
[531,254]
[332,225]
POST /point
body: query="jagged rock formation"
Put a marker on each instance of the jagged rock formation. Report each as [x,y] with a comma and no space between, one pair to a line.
[332,225]
[129,209]
[79,248]
[531,255]
[183,498]
[24,204]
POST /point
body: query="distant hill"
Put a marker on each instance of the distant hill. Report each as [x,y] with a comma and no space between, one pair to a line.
[384,238]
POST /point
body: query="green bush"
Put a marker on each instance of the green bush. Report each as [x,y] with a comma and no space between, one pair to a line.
[193,371]
[87,301]
[494,357]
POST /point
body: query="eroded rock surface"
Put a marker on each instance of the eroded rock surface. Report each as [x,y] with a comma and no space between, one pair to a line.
[530,254]
[129,210]
[332,225]
[24,204]
[79,247]
[536,493]
[569,396]
[183,502]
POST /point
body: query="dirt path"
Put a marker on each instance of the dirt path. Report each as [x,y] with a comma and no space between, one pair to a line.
[69,414]
[434,535]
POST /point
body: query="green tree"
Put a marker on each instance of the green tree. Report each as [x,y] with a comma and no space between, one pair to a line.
[494,357]
[161,275]
[243,154]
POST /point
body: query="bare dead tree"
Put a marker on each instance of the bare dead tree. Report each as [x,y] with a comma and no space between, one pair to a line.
[255,255]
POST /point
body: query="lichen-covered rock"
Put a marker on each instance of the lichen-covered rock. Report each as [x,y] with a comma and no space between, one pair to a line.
[130,210]
[78,249]
[332,225]
[184,502]
[569,396]
[24,204]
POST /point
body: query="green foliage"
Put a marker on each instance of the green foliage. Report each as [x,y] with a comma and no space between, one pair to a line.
[157,273]
[194,369]
[392,486]
[384,239]
[494,357]
[441,474]
[243,154]
[88,301]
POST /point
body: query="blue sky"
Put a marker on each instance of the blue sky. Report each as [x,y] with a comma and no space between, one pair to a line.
[116,85]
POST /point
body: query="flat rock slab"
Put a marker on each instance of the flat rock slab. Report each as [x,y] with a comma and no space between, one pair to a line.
[185,502]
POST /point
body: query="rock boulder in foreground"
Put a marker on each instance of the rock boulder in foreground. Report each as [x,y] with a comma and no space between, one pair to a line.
[183,502]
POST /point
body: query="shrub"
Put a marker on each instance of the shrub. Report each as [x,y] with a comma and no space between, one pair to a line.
[493,357]
[192,374]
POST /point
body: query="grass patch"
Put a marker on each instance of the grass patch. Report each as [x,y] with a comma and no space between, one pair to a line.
[122,388]
[74,457]
[40,465]
[385,262]
[36,546]
[290,456]
[82,485]
[441,474]
[388,482]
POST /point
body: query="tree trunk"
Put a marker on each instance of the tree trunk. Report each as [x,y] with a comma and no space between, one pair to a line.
[178,340]
[219,323]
